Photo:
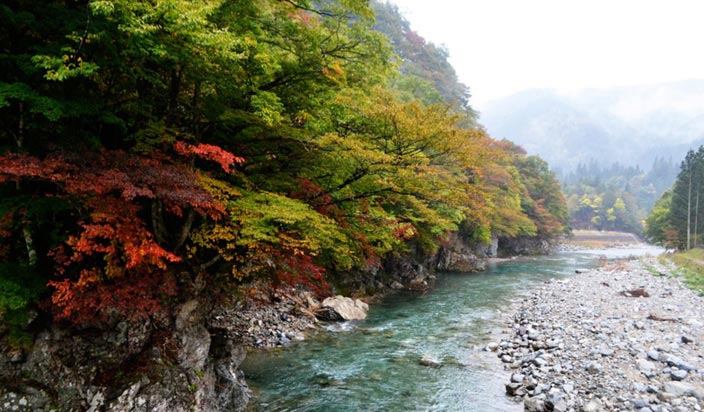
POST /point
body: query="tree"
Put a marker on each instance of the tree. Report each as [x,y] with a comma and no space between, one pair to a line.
[684,215]
[658,224]
[126,125]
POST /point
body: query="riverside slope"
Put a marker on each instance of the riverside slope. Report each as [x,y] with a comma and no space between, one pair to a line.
[589,343]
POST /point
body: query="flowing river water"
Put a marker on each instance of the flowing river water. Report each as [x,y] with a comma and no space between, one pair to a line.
[374,365]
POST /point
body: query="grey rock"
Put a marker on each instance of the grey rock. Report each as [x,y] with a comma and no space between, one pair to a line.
[533,405]
[533,334]
[678,389]
[518,377]
[556,402]
[396,285]
[593,367]
[644,365]
[512,388]
[606,352]
[678,374]
[671,360]
[338,308]
[430,361]
[552,343]
[594,405]
[194,347]
[538,361]
[456,256]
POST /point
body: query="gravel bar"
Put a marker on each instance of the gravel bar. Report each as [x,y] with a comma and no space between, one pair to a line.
[625,337]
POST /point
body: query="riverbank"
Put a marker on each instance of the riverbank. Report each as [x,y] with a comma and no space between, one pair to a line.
[627,336]
[599,239]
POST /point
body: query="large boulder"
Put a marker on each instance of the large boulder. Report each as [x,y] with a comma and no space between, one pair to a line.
[338,308]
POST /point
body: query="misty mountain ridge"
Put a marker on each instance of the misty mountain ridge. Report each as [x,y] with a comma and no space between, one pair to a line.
[630,125]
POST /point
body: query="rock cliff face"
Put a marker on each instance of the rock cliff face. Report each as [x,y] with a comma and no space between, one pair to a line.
[179,366]
[191,361]
[523,246]
[457,255]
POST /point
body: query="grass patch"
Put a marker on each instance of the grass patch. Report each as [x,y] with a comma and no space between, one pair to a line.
[690,265]
[652,269]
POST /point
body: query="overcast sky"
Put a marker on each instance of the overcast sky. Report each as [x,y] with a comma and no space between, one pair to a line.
[499,47]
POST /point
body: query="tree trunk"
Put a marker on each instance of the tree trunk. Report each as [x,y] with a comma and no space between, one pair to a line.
[696,217]
[158,222]
[174,90]
[185,230]
[689,211]
[20,127]
[29,243]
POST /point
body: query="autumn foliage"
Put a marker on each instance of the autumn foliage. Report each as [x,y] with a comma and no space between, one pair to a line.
[112,256]
[125,126]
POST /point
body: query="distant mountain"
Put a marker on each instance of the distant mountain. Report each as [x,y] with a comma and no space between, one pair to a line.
[628,125]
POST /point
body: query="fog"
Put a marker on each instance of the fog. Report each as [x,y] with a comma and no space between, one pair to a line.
[501,47]
[628,125]
[577,81]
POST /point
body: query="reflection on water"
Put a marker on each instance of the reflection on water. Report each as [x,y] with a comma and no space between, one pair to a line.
[374,365]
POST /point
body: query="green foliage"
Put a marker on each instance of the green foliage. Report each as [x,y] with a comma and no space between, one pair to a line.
[544,202]
[20,287]
[657,226]
[616,197]
[119,120]
[424,70]
[677,220]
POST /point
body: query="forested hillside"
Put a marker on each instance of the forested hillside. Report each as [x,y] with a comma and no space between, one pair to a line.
[424,71]
[615,197]
[612,149]
[148,149]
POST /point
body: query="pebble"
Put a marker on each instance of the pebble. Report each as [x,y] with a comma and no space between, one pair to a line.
[593,406]
[578,345]
[678,374]
[517,377]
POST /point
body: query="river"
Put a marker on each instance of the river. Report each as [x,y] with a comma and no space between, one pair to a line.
[374,365]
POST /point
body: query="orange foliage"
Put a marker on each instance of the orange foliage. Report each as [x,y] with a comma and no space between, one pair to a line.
[225,159]
[112,263]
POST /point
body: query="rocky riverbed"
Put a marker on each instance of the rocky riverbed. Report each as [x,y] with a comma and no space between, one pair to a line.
[627,336]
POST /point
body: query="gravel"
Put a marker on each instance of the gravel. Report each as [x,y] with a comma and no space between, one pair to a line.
[587,343]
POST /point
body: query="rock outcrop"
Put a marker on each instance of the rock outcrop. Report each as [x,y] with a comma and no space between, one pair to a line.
[131,367]
[523,246]
[457,255]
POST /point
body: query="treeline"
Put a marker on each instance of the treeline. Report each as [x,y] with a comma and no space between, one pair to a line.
[616,197]
[677,219]
[151,151]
